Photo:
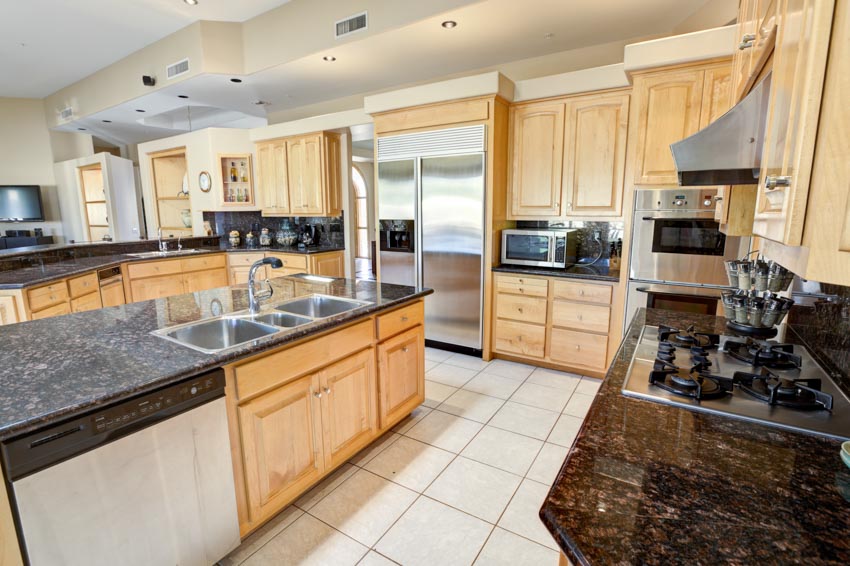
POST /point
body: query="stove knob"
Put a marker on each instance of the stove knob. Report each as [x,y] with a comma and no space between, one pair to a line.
[679,202]
[194,390]
[706,202]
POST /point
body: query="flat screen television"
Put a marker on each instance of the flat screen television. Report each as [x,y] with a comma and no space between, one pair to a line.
[21,203]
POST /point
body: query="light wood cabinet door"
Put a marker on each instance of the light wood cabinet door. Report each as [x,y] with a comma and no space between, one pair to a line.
[156,287]
[349,406]
[668,110]
[88,302]
[203,280]
[595,155]
[112,294]
[522,309]
[55,310]
[537,155]
[332,183]
[520,338]
[745,38]
[281,445]
[304,160]
[273,183]
[579,348]
[330,265]
[716,94]
[799,64]
[401,375]
[8,311]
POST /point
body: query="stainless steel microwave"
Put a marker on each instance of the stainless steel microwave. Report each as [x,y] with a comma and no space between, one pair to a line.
[539,248]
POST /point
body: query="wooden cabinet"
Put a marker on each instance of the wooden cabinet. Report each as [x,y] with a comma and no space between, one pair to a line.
[8,311]
[566,326]
[330,264]
[755,42]
[203,280]
[281,445]
[156,287]
[164,278]
[349,406]
[300,175]
[536,158]
[87,302]
[735,208]
[716,94]
[595,154]
[401,370]
[112,294]
[55,310]
[799,65]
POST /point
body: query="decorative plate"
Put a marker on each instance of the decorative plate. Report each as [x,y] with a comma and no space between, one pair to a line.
[205,181]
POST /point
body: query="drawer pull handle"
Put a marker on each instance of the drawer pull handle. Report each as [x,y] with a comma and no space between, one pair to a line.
[580,317]
[404,349]
[578,348]
[519,309]
[581,292]
[520,290]
[404,319]
[327,390]
[520,280]
[317,394]
[778,181]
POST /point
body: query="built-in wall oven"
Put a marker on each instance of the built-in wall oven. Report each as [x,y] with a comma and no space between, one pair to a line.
[678,250]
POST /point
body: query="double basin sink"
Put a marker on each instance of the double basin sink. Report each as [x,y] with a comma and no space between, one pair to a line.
[218,334]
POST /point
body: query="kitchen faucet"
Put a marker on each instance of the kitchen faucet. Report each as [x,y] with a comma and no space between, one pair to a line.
[253,295]
[163,246]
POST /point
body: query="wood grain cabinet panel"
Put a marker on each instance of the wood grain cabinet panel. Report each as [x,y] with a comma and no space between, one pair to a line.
[56,310]
[88,302]
[392,323]
[78,286]
[537,154]
[8,311]
[595,155]
[588,318]
[579,348]
[154,268]
[328,264]
[531,286]
[273,182]
[520,338]
[281,445]
[47,295]
[401,375]
[203,280]
[112,294]
[585,292]
[156,287]
[519,308]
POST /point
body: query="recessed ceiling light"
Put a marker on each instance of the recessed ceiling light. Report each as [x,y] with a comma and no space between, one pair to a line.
[139,110]
[182,96]
[449,24]
[191,2]
[329,58]
[236,80]
[82,129]
[107,121]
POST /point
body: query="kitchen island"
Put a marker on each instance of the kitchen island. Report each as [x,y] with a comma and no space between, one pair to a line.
[646,483]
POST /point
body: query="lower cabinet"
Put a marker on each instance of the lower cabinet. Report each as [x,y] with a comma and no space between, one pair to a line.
[87,302]
[330,264]
[166,278]
[401,363]
[155,287]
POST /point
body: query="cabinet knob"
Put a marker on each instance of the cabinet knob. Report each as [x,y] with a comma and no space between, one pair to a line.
[777,181]
[557,204]
[569,205]
[404,319]
[327,390]
[519,309]
[578,348]
[580,317]
[520,290]
[581,292]
[521,280]
[317,394]
[404,349]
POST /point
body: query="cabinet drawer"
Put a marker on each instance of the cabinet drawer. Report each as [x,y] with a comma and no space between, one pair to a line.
[243,260]
[276,369]
[394,322]
[61,308]
[156,287]
[88,302]
[586,292]
[530,286]
[153,268]
[520,338]
[579,348]
[203,280]
[203,262]
[589,318]
[48,295]
[84,285]
[520,308]
[292,261]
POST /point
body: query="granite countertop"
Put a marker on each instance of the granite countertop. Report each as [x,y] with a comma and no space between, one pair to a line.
[596,272]
[58,367]
[646,483]
[47,272]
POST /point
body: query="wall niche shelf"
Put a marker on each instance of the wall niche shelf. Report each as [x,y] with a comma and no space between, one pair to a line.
[237,180]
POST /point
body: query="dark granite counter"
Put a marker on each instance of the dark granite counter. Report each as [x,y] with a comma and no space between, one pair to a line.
[58,367]
[596,272]
[320,249]
[646,483]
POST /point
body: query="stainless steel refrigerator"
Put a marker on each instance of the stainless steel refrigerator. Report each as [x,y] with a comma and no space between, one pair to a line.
[434,181]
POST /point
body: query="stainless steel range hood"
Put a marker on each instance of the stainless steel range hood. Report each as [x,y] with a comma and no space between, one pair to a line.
[727,151]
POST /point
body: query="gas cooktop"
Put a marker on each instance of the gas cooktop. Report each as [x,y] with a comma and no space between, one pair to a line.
[756,380]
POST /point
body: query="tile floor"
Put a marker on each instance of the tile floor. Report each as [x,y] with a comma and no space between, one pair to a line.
[458,482]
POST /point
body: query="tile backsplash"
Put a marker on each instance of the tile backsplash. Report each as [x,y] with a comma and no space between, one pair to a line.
[332,228]
[589,232]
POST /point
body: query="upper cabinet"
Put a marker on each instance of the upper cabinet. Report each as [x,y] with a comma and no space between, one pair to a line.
[803,30]
[568,157]
[595,154]
[300,175]
[537,136]
[755,43]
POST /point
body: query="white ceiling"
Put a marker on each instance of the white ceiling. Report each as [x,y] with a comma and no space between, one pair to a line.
[46,45]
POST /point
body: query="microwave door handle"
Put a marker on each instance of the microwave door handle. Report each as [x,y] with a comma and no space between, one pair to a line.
[552,239]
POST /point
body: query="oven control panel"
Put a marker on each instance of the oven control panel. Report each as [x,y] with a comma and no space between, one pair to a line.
[676,199]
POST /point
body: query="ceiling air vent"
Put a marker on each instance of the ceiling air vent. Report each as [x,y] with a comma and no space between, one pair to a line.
[66,113]
[350,25]
[177,69]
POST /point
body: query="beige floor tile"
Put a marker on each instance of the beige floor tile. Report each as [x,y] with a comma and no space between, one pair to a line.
[541,396]
[504,548]
[364,507]
[375,559]
[410,463]
[436,393]
[548,463]
[377,446]
[261,536]
[589,386]
[445,431]
[503,449]
[431,534]
[579,405]
[437,355]
[471,405]
[450,375]
[521,517]
[512,370]
[324,487]
[429,364]
[525,419]
[475,488]
[565,430]
[414,417]
[468,362]
[308,541]
[493,385]
[557,379]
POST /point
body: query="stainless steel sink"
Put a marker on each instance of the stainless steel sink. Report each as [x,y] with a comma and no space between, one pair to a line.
[218,334]
[169,253]
[319,306]
[282,319]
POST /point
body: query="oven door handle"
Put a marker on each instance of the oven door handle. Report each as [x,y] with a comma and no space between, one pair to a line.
[642,289]
[652,218]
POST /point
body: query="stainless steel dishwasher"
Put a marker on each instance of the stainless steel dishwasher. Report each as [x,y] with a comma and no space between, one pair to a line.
[146,481]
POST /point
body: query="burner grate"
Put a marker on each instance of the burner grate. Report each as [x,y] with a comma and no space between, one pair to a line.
[759,353]
[802,394]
